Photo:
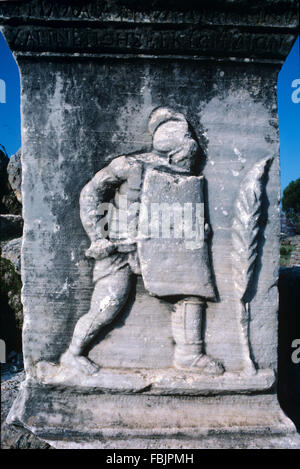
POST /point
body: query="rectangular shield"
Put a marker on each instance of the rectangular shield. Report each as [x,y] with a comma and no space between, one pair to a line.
[172,248]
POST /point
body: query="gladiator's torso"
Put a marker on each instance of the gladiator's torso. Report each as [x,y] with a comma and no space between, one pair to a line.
[128,195]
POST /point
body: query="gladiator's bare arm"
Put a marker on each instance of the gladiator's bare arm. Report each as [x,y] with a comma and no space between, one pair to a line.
[97,191]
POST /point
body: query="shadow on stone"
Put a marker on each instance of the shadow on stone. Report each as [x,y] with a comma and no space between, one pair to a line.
[289,330]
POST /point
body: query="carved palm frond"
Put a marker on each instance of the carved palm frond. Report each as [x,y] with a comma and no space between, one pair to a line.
[246,226]
[245,237]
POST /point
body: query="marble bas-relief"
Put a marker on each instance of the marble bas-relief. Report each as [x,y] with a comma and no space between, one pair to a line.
[145,215]
[159,335]
[170,267]
[247,228]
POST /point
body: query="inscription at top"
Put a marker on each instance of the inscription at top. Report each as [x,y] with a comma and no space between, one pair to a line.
[191,41]
[103,11]
[112,27]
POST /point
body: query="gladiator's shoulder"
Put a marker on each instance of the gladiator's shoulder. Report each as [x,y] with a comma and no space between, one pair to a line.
[123,165]
[120,167]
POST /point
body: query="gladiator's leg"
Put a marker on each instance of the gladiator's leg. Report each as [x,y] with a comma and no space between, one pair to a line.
[109,296]
[187,326]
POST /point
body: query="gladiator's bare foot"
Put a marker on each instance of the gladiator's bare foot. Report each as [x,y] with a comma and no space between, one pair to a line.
[79,362]
[202,363]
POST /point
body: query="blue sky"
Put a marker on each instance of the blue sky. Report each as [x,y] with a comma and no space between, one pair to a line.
[289,116]
[288,108]
[10,127]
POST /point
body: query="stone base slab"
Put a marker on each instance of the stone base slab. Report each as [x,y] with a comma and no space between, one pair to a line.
[165,381]
[67,418]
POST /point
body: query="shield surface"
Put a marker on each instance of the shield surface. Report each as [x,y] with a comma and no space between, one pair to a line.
[172,248]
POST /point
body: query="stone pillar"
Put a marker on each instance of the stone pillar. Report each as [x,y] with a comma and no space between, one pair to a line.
[92,73]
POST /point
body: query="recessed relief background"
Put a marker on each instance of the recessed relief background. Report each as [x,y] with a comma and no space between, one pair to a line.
[118,125]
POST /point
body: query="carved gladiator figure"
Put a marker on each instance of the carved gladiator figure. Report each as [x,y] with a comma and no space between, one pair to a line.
[172,271]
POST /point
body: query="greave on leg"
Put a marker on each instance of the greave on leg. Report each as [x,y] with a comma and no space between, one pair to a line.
[187,325]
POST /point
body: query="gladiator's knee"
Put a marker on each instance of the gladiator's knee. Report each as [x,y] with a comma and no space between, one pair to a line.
[104,308]
[109,296]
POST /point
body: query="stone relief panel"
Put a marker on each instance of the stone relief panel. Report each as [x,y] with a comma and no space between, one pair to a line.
[145,215]
[55,241]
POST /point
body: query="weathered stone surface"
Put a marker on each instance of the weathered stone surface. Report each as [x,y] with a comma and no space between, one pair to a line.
[10,204]
[11,251]
[184,260]
[8,201]
[14,171]
[13,437]
[88,95]
[3,166]
[53,218]
[11,316]
[11,225]
[3,177]
[133,28]
[159,381]
[143,421]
